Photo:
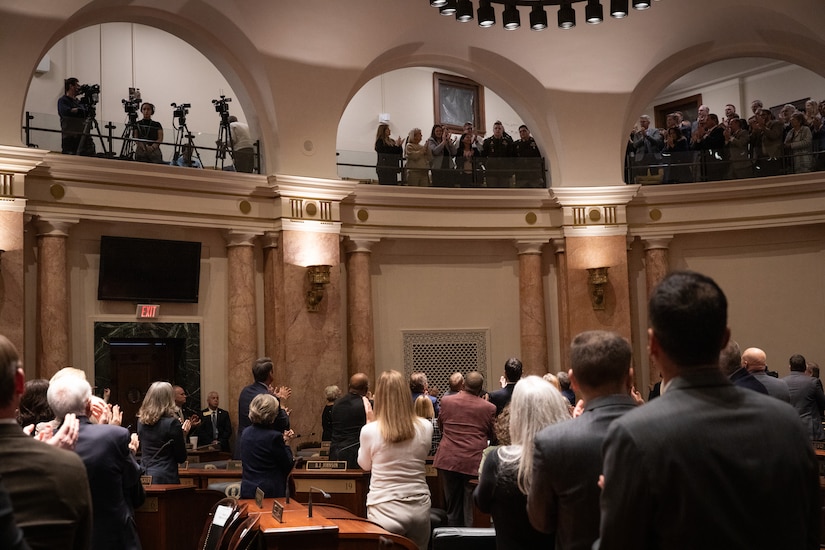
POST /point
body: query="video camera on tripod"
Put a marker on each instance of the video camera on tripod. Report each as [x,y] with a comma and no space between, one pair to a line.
[90,94]
[131,106]
[180,111]
[221,105]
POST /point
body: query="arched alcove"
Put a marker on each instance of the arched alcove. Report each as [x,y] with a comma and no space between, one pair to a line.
[736,81]
[120,57]
[405,99]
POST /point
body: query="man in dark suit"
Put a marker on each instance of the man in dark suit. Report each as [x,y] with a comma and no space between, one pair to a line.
[567,458]
[216,426]
[730,361]
[107,452]
[48,487]
[466,423]
[349,414]
[806,397]
[512,374]
[262,370]
[706,465]
[755,361]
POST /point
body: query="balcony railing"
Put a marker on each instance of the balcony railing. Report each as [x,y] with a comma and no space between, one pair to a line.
[110,141]
[695,166]
[478,173]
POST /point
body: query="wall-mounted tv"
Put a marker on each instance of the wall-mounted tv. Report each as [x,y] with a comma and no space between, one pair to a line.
[148,270]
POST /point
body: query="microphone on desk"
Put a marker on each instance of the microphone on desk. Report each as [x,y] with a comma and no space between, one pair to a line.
[154,456]
[309,501]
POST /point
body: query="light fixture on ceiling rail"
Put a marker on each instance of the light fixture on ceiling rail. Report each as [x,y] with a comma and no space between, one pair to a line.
[511,18]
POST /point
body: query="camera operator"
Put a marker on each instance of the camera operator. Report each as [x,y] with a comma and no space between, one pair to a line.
[148,136]
[242,145]
[72,116]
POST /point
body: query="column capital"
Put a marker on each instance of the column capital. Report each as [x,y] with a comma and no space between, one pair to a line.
[270,239]
[360,244]
[652,243]
[240,238]
[559,245]
[529,247]
[56,226]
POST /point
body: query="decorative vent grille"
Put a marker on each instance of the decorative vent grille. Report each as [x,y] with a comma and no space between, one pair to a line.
[297,207]
[6,182]
[326,210]
[610,216]
[438,354]
[579,215]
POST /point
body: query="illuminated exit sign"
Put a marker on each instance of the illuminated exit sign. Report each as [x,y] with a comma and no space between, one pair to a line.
[148,311]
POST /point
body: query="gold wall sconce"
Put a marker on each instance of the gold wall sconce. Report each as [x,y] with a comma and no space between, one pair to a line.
[597,277]
[318,276]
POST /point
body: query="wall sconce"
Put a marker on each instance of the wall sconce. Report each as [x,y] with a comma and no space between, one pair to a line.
[318,276]
[597,277]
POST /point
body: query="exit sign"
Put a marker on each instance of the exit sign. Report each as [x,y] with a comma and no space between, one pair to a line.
[148,311]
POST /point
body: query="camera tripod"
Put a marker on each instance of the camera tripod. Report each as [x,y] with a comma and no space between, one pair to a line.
[181,132]
[127,150]
[224,142]
[86,145]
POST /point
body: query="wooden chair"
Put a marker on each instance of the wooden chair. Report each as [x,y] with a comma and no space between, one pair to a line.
[221,524]
[247,536]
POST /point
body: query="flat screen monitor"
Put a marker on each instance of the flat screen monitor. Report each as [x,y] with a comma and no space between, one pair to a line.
[148,270]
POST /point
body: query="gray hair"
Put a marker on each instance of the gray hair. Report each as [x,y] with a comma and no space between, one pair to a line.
[535,405]
[68,394]
[264,409]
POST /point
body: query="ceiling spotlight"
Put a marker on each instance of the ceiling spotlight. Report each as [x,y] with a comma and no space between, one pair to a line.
[464,11]
[641,4]
[512,21]
[449,8]
[486,14]
[538,18]
[593,12]
[437,3]
[618,8]
[567,16]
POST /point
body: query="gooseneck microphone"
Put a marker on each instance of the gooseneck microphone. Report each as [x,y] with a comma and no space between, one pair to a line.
[309,501]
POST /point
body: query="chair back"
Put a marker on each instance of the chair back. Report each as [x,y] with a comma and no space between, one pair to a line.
[220,523]
[247,535]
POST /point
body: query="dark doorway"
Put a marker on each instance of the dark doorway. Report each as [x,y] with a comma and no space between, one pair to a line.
[135,365]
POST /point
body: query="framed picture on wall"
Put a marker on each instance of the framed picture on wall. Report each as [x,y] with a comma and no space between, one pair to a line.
[799,104]
[458,100]
[689,106]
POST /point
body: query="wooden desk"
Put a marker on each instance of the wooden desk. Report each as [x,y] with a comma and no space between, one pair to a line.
[344,532]
[348,488]
[297,530]
[201,477]
[173,516]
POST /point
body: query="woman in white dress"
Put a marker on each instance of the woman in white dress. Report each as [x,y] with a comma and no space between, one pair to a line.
[395,449]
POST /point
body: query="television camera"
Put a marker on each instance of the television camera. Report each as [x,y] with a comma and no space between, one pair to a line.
[90,94]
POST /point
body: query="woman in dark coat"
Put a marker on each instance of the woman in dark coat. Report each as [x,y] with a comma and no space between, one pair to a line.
[466,163]
[162,436]
[389,156]
[265,453]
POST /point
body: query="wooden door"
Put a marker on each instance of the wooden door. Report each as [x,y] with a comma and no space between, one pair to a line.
[135,365]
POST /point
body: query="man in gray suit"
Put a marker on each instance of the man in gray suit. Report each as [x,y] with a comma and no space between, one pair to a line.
[707,465]
[755,360]
[567,457]
[806,397]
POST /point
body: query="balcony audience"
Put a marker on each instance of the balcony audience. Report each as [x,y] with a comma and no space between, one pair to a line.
[418,157]
[442,151]
[390,152]
[394,449]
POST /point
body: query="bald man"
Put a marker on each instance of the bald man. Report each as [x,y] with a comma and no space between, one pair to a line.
[755,360]
[349,414]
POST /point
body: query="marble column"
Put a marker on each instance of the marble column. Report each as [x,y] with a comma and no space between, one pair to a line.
[656,267]
[532,318]
[12,305]
[313,340]
[360,330]
[53,297]
[242,325]
[274,301]
[564,307]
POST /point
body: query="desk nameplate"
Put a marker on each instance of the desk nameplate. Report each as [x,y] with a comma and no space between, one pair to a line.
[326,465]
[328,485]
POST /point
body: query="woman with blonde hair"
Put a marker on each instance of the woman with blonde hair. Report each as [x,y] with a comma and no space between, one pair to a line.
[395,449]
[424,408]
[418,160]
[505,476]
[162,436]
